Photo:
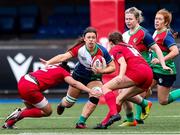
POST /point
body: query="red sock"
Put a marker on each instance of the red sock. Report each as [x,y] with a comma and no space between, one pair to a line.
[111,102]
[106,119]
[33,112]
[11,122]
[118,108]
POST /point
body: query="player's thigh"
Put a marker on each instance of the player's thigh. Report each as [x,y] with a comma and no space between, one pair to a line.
[73,92]
[117,83]
[28,105]
[94,84]
[129,92]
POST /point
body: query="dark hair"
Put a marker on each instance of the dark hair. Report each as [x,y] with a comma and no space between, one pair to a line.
[81,41]
[88,30]
[65,66]
[115,37]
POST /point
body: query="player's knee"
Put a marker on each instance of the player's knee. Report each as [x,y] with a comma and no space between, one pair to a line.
[94,100]
[68,101]
[163,102]
[47,113]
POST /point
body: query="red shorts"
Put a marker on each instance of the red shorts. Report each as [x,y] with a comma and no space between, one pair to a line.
[29,91]
[142,75]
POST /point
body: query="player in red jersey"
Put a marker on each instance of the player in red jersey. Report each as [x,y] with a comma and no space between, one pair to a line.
[131,77]
[31,86]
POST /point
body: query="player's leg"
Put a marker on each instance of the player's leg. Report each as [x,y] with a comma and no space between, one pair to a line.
[107,117]
[69,100]
[90,106]
[35,110]
[110,98]
[164,95]
[129,121]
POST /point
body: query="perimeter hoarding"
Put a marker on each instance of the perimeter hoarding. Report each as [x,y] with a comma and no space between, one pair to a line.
[17,61]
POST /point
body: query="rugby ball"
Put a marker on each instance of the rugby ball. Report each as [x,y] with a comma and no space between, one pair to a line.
[98,62]
[97,89]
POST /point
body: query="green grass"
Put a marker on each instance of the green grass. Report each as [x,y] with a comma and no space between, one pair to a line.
[162,120]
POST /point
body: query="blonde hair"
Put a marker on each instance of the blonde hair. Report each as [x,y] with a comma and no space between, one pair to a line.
[136,12]
[167,16]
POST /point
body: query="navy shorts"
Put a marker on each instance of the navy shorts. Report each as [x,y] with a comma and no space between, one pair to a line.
[164,80]
[85,79]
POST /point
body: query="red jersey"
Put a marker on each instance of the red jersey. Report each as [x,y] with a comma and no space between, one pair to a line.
[130,54]
[50,76]
[138,69]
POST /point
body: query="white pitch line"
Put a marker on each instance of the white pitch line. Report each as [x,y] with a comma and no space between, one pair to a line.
[62,117]
[102,133]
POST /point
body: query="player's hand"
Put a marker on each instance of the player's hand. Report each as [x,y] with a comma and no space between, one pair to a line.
[97,70]
[43,61]
[167,68]
[155,61]
[96,93]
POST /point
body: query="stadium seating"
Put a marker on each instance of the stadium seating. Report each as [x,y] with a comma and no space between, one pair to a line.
[66,21]
[28,18]
[8,18]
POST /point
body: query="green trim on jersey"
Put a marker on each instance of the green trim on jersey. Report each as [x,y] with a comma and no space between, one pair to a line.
[135,31]
[157,68]
[94,51]
[146,57]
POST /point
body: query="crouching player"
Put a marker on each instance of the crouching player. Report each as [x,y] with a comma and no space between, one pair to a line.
[131,78]
[31,86]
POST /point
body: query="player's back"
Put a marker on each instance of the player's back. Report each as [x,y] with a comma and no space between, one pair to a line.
[50,76]
[131,55]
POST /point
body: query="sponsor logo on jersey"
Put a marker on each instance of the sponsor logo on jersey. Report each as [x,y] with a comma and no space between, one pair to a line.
[135,40]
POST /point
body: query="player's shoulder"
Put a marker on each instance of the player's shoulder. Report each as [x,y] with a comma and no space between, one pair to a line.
[144,30]
[102,48]
[126,33]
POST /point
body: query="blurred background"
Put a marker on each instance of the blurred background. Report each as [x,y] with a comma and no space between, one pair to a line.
[30,29]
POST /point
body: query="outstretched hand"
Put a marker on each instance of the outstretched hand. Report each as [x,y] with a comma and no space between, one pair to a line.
[43,61]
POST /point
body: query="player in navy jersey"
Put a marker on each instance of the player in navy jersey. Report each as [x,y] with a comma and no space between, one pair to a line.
[85,50]
[31,86]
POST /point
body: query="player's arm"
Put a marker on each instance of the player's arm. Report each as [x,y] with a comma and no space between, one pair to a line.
[123,66]
[173,53]
[57,59]
[110,68]
[79,85]
[159,53]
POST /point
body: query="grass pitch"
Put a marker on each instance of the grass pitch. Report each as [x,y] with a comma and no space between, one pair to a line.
[162,120]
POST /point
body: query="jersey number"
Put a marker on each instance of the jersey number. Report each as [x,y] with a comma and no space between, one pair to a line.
[49,67]
[134,51]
